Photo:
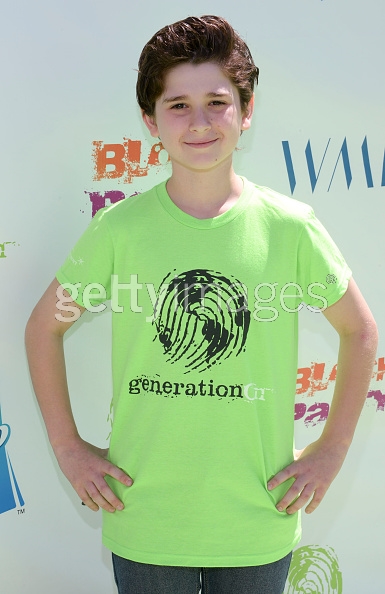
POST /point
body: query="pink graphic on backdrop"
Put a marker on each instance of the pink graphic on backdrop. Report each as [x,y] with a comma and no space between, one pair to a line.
[318,378]
[101,199]
[379,397]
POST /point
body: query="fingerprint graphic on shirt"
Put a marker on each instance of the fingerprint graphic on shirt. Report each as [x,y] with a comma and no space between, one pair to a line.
[201,318]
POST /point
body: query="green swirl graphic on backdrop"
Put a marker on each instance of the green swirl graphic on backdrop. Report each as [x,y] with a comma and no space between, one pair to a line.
[314,570]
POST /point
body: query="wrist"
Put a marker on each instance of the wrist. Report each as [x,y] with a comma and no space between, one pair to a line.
[335,441]
[67,441]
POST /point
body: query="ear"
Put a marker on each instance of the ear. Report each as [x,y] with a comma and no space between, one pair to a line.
[247,116]
[150,124]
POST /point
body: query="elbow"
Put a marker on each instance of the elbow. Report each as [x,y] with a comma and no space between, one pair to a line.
[366,334]
[369,334]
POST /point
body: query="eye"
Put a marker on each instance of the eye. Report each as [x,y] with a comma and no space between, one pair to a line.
[178,106]
[218,102]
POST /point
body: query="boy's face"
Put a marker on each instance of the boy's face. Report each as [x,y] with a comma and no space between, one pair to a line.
[198,117]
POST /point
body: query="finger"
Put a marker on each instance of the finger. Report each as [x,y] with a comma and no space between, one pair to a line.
[301,500]
[316,500]
[118,474]
[103,497]
[281,477]
[290,496]
[88,502]
[109,496]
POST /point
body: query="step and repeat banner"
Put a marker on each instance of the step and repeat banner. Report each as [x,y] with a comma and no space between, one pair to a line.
[73,142]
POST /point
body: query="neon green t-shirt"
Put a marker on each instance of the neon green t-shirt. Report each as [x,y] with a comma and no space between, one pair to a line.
[204,368]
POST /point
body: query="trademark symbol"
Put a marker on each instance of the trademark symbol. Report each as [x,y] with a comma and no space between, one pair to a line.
[21,511]
[331,278]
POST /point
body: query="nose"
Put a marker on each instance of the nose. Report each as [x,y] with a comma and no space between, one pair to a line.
[200,121]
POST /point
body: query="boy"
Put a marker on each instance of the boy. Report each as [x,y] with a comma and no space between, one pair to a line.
[206,273]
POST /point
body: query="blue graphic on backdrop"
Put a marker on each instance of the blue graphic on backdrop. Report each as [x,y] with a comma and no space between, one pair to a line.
[343,156]
[10,495]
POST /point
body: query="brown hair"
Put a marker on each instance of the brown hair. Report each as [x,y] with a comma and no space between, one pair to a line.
[195,40]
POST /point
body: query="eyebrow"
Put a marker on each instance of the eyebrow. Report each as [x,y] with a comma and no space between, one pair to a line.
[211,95]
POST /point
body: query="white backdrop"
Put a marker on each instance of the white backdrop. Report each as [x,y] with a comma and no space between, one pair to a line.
[68,80]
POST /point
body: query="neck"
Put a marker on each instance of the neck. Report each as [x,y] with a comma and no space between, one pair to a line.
[204,194]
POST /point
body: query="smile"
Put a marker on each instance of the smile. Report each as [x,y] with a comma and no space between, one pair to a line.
[201,144]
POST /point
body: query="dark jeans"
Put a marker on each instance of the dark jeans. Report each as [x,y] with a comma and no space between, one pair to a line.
[141,578]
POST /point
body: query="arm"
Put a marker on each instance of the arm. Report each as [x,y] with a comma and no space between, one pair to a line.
[316,466]
[84,465]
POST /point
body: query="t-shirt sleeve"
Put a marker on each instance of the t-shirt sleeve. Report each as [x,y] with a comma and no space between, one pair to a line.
[323,273]
[86,273]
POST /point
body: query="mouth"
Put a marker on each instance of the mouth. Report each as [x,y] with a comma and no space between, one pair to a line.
[201,144]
